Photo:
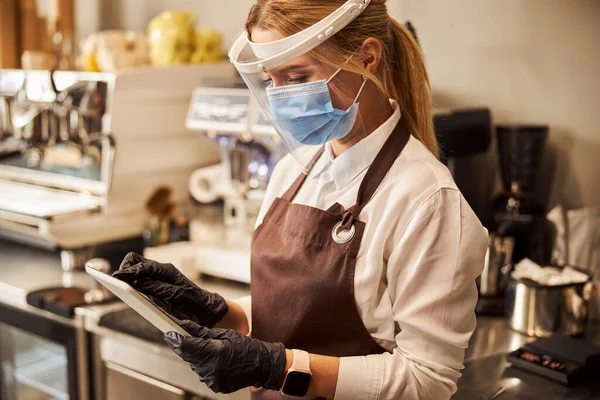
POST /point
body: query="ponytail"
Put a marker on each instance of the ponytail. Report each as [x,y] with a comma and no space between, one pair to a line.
[405,80]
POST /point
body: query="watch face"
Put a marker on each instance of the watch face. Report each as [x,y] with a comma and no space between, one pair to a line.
[296,383]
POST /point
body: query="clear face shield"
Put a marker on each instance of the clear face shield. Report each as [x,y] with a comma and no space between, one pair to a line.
[309,103]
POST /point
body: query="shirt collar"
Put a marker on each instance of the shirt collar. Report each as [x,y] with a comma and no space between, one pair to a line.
[344,168]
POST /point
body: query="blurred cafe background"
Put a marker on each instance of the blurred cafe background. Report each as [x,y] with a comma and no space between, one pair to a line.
[124,127]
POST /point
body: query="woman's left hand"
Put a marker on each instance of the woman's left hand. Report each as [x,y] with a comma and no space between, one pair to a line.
[228,361]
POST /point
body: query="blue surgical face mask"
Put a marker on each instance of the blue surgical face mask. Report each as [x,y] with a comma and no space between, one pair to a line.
[305,113]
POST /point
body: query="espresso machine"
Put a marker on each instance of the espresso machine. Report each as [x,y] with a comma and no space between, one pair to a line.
[80,153]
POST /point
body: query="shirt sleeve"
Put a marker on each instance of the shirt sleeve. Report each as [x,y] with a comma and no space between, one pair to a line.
[431,281]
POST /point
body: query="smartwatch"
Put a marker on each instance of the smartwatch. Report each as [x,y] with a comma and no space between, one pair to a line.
[298,377]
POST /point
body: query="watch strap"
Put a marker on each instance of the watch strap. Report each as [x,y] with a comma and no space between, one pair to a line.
[301,361]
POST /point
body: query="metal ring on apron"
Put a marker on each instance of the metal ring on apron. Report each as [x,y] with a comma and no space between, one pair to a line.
[346,236]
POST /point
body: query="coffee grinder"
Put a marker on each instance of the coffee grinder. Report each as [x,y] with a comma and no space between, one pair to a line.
[520,225]
[518,212]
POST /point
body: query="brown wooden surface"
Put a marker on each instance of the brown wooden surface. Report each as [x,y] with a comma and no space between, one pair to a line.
[29,26]
[67,27]
[66,15]
[44,40]
[9,43]
[61,19]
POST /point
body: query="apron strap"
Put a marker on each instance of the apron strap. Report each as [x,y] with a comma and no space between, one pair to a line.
[295,188]
[379,168]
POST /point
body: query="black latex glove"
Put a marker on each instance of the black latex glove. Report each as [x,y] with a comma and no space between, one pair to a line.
[171,290]
[228,361]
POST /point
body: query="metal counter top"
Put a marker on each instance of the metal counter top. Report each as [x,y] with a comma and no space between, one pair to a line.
[493,336]
[482,377]
[486,368]
[25,269]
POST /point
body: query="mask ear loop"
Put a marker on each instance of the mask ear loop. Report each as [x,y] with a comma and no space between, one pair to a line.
[359,92]
[364,81]
[361,88]
[333,76]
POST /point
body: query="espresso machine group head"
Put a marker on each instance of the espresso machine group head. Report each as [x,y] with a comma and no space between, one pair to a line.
[226,113]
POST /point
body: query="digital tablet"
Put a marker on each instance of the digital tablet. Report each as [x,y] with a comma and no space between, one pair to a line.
[136,300]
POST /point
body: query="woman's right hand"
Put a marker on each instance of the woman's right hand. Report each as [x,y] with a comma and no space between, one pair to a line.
[171,290]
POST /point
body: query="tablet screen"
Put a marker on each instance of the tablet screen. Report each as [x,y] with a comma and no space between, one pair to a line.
[138,302]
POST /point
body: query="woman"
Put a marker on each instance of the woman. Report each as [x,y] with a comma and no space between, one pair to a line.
[365,255]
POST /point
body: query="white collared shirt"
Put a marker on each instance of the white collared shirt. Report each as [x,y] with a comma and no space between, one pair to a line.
[414,283]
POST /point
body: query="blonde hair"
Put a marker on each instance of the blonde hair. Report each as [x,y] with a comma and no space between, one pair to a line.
[401,74]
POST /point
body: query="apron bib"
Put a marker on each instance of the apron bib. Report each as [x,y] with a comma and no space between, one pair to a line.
[302,274]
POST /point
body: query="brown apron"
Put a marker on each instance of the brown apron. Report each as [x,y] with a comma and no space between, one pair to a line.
[303,280]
